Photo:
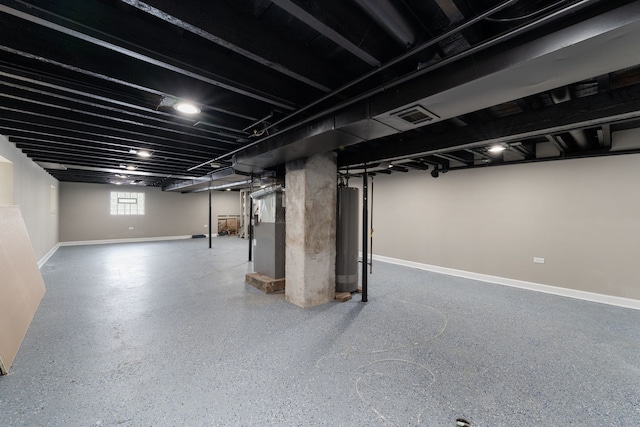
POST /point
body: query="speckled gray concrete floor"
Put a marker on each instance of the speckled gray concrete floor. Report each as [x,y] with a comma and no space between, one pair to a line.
[168,334]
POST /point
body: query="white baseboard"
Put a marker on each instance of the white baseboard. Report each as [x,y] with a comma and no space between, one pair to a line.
[130,240]
[48,255]
[565,292]
[109,241]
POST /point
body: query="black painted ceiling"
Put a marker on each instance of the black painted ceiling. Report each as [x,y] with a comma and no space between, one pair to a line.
[84,83]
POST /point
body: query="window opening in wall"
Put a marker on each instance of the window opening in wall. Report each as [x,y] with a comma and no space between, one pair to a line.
[126,203]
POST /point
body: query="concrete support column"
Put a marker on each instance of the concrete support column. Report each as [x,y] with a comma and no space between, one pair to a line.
[311,230]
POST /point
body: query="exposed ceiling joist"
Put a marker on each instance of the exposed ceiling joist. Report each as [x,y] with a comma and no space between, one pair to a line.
[91,82]
[218,23]
[325,29]
[231,86]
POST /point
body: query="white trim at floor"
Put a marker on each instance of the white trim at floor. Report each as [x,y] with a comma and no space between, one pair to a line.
[131,240]
[565,292]
[109,241]
[48,255]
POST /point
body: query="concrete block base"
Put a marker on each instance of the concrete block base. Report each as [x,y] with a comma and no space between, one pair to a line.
[343,296]
[264,283]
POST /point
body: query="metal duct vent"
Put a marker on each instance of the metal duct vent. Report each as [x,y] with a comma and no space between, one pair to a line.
[415,115]
[407,118]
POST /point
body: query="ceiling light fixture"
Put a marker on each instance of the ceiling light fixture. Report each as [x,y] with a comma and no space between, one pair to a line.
[497,149]
[128,167]
[186,107]
[141,153]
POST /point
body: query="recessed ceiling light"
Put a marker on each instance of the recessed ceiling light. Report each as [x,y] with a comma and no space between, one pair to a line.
[143,153]
[497,149]
[187,107]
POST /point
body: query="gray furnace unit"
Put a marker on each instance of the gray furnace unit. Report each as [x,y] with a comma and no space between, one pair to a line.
[347,240]
[269,255]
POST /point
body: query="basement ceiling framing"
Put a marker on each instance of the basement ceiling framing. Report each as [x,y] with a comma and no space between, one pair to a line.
[86,83]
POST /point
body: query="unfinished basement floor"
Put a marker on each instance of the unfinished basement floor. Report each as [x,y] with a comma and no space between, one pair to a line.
[168,334]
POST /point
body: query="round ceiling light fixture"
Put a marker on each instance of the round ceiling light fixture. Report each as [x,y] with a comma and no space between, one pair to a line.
[141,153]
[187,107]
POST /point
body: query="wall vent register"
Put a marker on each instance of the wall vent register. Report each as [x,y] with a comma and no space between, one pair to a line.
[416,115]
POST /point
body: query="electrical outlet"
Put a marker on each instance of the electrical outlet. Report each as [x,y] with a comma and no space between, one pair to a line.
[538,260]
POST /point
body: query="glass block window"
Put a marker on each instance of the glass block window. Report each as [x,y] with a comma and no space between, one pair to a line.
[126,203]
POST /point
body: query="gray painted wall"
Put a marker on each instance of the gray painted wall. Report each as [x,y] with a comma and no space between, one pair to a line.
[582,216]
[85,215]
[36,192]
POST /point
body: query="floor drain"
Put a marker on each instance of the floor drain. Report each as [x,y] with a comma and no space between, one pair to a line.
[461,422]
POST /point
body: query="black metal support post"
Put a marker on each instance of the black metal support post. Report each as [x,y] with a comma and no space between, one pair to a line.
[210,232]
[250,229]
[365,231]
[371,233]
[250,219]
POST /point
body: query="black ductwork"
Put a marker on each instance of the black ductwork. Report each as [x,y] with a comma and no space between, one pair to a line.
[580,136]
[462,84]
